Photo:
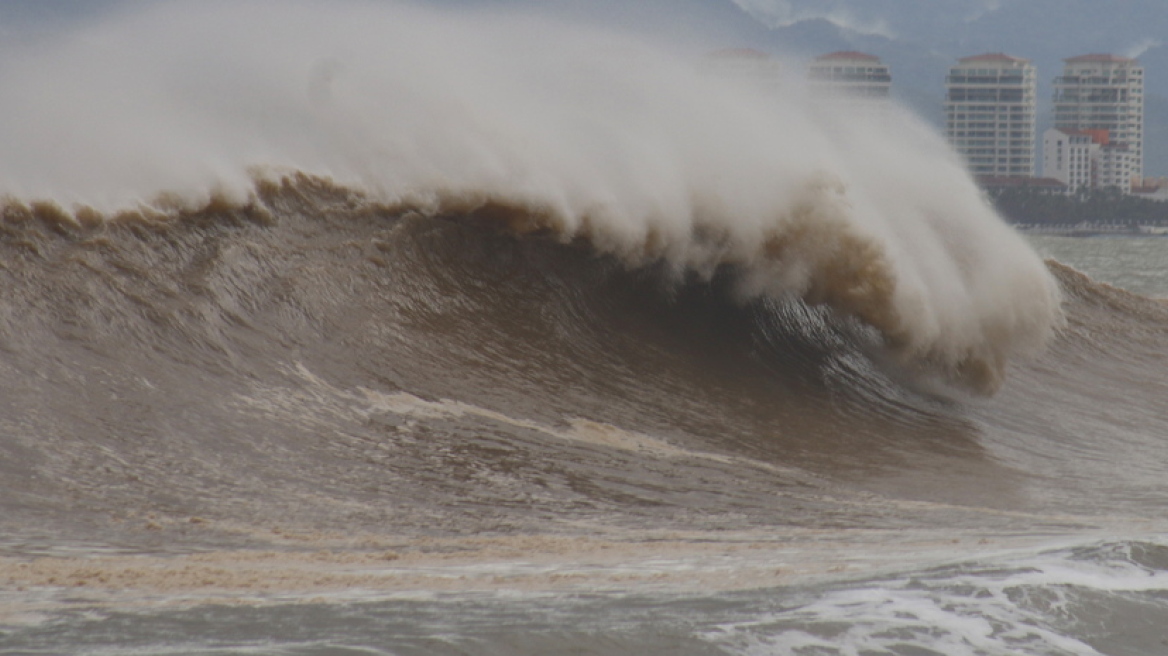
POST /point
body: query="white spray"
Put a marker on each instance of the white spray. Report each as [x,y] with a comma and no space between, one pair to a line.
[643,152]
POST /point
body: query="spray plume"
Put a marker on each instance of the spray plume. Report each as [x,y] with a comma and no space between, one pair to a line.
[537,125]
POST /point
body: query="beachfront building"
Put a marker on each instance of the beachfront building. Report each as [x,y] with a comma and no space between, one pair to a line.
[1116,167]
[854,76]
[1086,159]
[990,111]
[1067,156]
[1105,92]
[747,66]
[1153,189]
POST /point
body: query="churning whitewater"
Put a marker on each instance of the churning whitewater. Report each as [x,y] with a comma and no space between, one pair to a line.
[353,327]
[536,126]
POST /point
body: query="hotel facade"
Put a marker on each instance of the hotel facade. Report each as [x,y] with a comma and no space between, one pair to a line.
[1086,159]
[850,75]
[990,114]
[746,66]
[1104,95]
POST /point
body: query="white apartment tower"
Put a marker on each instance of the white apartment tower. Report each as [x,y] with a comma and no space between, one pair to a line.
[990,114]
[1069,157]
[1105,92]
[850,74]
[748,66]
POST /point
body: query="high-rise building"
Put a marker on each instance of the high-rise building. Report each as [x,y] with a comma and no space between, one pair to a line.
[1105,92]
[990,113]
[1068,156]
[850,74]
[746,65]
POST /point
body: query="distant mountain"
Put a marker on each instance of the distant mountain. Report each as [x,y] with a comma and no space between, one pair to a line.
[920,40]
[1044,31]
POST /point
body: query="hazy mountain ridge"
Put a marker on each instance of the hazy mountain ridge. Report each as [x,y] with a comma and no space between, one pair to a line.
[919,40]
[920,43]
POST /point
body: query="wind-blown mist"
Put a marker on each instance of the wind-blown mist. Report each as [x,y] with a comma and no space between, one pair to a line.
[537,126]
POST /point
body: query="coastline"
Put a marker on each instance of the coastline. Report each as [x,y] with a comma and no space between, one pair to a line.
[1092,229]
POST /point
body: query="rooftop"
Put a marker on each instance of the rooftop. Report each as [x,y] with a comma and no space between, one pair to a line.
[994,57]
[1098,135]
[1099,59]
[739,53]
[847,54]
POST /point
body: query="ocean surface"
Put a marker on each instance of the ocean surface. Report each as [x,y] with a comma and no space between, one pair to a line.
[416,331]
[1131,263]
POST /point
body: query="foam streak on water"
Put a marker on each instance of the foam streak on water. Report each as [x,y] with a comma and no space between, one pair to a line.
[1086,600]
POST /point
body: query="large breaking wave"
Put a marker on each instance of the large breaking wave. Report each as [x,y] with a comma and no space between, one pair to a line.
[307,304]
[536,127]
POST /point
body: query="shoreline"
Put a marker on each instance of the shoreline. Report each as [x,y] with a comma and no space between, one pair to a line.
[1091,229]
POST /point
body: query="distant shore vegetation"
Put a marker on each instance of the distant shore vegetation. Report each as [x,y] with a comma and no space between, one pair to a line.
[1109,205]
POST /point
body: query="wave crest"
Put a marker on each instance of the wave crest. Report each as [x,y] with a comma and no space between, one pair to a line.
[536,127]
[813,252]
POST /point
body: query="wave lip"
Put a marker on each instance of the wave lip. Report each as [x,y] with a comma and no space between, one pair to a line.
[959,299]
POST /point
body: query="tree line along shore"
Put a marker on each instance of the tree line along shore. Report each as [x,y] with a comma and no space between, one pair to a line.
[1103,210]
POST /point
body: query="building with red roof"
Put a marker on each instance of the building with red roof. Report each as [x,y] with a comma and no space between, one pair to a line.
[990,114]
[739,53]
[855,75]
[1087,159]
[748,66]
[847,55]
[993,57]
[1105,92]
[1099,59]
